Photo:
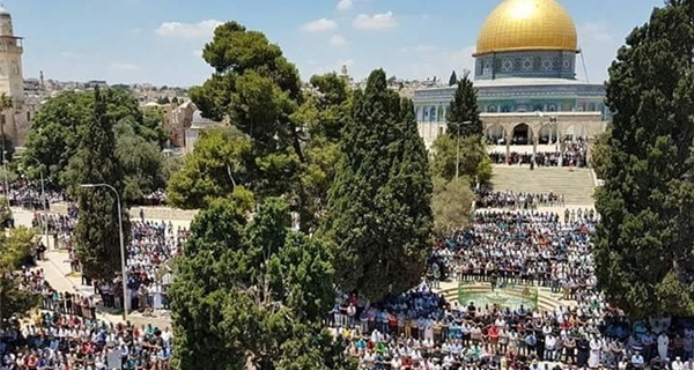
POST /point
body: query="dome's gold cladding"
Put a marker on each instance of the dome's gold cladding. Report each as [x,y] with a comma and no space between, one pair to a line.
[517,25]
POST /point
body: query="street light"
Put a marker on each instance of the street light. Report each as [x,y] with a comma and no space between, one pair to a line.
[457,155]
[43,199]
[124,276]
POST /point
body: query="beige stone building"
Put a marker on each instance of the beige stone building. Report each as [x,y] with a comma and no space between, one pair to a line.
[16,121]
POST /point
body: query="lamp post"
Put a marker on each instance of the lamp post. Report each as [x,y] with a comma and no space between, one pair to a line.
[43,200]
[457,155]
[122,244]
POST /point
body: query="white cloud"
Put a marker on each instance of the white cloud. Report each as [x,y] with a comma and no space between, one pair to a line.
[337,40]
[124,67]
[202,29]
[320,25]
[375,22]
[345,5]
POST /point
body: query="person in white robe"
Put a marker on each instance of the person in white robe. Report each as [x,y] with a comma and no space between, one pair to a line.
[595,348]
[663,343]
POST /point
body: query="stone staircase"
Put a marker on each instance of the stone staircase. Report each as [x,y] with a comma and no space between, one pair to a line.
[577,186]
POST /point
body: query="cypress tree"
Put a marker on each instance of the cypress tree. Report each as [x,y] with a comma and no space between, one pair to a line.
[97,233]
[378,210]
[453,79]
[644,260]
[464,108]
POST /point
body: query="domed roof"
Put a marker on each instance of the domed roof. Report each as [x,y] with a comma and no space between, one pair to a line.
[4,12]
[518,25]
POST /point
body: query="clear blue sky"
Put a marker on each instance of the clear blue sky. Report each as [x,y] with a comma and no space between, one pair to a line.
[159,41]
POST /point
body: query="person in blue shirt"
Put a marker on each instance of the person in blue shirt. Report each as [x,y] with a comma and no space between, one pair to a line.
[454,331]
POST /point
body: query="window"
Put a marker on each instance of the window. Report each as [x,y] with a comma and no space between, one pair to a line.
[552,108]
[440,130]
[28,116]
[491,109]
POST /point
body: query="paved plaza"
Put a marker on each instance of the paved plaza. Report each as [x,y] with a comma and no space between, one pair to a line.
[58,273]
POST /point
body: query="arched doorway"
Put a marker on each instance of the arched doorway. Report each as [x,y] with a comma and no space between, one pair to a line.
[522,135]
[574,133]
[548,135]
[495,134]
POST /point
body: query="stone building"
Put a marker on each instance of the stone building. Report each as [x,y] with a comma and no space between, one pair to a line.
[525,76]
[16,121]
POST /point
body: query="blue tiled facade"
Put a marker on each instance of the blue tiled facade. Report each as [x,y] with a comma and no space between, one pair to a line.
[432,105]
[538,64]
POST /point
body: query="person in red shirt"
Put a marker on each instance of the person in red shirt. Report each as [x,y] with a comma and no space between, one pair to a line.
[493,334]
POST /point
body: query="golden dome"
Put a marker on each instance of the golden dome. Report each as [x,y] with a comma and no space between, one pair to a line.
[518,25]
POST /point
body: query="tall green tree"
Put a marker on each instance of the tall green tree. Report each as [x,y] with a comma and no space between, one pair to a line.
[16,248]
[473,157]
[253,294]
[222,159]
[451,205]
[324,113]
[258,90]
[379,216]
[97,233]
[600,153]
[644,260]
[453,80]
[142,162]
[464,115]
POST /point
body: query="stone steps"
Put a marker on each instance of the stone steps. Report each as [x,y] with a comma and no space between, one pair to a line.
[577,186]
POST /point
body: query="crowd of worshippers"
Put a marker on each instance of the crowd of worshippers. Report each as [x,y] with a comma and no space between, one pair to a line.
[421,330]
[149,256]
[545,159]
[65,335]
[571,154]
[487,198]
[31,195]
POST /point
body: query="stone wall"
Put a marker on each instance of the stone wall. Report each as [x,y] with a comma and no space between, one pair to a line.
[151,213]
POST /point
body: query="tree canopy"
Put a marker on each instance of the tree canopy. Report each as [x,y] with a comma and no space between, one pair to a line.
[464,115]
[55,132]
[600,153]
[379,215]
[97,233]
[253,293]
[451,205]
[16,247]
[219,162]
[644,260]
[475,164]
[283,140]
[142,162]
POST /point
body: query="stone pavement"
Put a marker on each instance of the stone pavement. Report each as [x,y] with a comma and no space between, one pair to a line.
[577,185]
[57,271]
